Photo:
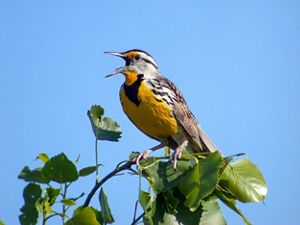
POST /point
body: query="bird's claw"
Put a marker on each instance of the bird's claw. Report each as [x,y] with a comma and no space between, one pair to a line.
[144,155]
[176,155]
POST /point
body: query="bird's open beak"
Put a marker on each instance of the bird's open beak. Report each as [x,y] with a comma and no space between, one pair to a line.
[120,69]
[115,54]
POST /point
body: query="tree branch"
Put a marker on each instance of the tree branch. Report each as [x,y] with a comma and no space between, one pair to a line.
[138,218]
[119,168]
[126,166]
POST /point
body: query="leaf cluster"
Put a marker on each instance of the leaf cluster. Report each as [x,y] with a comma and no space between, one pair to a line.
[185,196]
[188,194]
[49,183]
[47,186]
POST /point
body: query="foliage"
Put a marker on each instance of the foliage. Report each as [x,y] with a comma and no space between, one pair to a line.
[185,196]
[104,128]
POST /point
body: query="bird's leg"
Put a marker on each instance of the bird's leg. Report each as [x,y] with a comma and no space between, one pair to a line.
[177,153]
[146,153]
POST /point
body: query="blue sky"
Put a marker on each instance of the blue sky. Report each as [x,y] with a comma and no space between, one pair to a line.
[237,64]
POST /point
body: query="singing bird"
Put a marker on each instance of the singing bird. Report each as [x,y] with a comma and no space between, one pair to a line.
[157,108]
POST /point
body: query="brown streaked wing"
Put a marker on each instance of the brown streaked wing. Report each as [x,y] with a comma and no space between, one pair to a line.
[187,120]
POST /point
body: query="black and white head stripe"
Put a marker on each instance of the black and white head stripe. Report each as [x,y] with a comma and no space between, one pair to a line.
[137,50]
[145,56]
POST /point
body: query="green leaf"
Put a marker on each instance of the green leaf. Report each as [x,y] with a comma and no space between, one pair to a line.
[88,170]
[60,169]
[244,180]
[144,198]
[103,128]
[105,209]
[68,201]
[146,201]
[164,215]
[133,155]
[162,176]
[35,175]
[31,193]
[1,222]
[229,200]
[52,194]
[29,215]
[47,207]
[99,215]
[43,157]
[83,216]
[172,200]
[43,206]
[211,213]
[201,180]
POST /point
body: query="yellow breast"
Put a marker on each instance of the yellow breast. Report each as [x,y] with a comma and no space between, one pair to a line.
[151,116]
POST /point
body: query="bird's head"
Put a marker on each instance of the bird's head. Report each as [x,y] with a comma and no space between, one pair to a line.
[136,62]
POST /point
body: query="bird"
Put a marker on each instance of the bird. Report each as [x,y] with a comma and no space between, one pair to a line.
[157,107]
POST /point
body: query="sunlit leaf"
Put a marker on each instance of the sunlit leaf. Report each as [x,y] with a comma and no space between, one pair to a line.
[229,200]
[88,170]
[68,201]
[43,157]
[144,199]
[244,180]
[201,180]
[60,169]
[83,216]
[43,205]
[35,175]
[105,209]
[211,213]
[146,202]
[99,215]
[47,207]
[104,128]
[52,194]
[1,222]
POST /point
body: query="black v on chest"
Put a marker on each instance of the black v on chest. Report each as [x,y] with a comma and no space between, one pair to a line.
[131,91]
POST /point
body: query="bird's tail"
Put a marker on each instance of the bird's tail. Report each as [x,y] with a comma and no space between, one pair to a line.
[206,143]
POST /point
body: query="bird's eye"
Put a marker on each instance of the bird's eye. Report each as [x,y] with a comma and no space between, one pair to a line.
[137,57]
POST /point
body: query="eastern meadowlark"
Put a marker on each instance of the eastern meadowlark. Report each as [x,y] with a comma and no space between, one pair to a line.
[156,106]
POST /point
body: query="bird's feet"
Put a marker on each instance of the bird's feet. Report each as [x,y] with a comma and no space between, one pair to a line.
[141,156]
[145,154]
[175,156]
[177,153]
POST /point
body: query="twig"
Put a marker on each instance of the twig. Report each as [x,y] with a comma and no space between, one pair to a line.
[135,210]
[96,155]
[52,215]
[138,218]
[63,205]
[118,169]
